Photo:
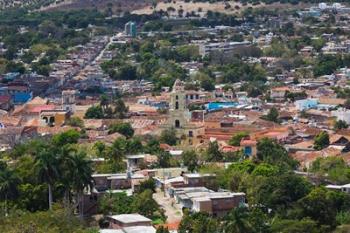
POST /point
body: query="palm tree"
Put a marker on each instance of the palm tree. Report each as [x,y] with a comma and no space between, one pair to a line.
[65,165]
[81,172]
[46,164]
[237,221]
[119,149]
[8,186]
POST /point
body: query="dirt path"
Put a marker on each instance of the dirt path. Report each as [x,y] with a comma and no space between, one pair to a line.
[172,210]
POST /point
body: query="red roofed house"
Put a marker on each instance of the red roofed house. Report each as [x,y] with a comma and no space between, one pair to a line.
[278,93]
[5,102]
[249,146]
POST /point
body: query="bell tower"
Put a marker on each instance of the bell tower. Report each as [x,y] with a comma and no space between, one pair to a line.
[178,111]
[180,119]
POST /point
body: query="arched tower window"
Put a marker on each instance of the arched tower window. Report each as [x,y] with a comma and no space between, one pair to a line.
[177,124]
[176,105]
[177,97]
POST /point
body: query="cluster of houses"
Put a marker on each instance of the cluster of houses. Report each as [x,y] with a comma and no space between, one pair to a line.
[306,107]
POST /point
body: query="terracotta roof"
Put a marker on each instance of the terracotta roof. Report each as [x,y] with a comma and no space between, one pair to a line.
[303,145]
[44,130]
[10,120]
[248,142]
[93,123]
[140,123]
[165,146]
[4,99]
[306,158]
[331,101]
[281,88]
[40,108]
[141,108]
[172,226]
[227,149]
[312,131]
[19,110]
[11,130]
[330,151]
[32,122]
[37,101]
[112,137]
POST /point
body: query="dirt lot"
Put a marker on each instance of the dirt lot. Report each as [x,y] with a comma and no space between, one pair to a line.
[228,7]
[123,5]
[145,6]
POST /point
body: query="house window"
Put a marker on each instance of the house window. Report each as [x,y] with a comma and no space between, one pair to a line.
[177,124]
[190,134]
[177,105]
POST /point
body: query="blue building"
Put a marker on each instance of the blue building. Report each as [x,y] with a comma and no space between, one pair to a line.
[20,94]
[21,97]
[306,104]
[130,29]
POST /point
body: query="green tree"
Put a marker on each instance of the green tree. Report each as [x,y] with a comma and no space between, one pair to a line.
[122,128]
[198,223]
[69,137]
[144,204]
[277,193]
[323,205]
[272,152]
[118,150]
[272,115]
[148,184]
[8,185]
[213,154]
[53,221]
[162,229]
[237,221]
[120,109]
[207,85]
[115,203]
[46,163]
[164,159]
[236,139]
[94,112]
[340,124]
[190,160]
[80,172]
[333,168]
[100,148]
[321,140]
[168,136]
[75,122]
[295,226]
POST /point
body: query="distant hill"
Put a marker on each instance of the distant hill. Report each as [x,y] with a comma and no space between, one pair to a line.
[31,4]
[146,6]
[115,5]
[199,7]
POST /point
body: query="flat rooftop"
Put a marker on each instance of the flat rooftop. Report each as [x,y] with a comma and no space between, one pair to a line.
[130,218]
[139,229]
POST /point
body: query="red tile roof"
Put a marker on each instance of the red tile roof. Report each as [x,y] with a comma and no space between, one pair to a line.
[4,99]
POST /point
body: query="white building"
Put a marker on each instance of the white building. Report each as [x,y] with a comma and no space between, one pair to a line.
[342,114]
[207,48]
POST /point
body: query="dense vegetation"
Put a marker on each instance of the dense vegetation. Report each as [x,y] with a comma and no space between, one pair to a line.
[278,199]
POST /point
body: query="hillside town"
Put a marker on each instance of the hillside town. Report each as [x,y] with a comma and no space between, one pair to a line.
[175,121]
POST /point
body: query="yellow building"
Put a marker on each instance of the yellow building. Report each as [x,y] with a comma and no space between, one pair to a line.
[189,132]
[53,117]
